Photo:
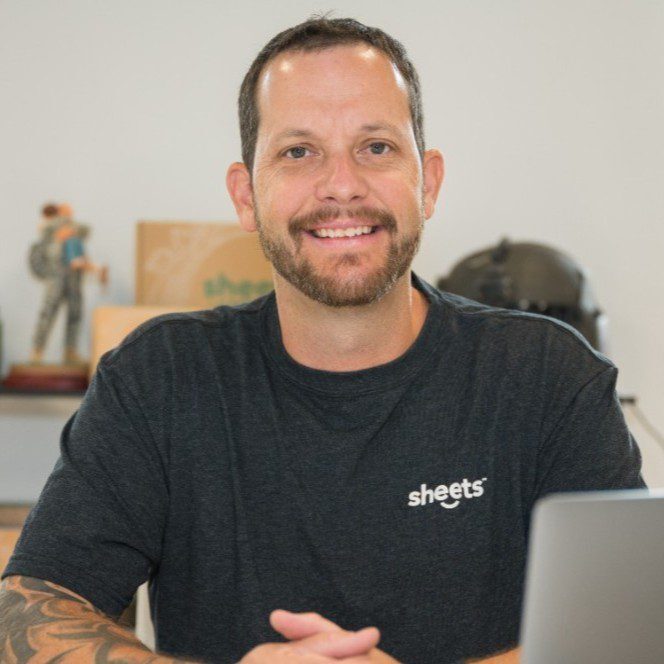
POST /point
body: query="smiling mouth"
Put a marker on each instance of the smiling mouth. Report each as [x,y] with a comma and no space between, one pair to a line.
[354,231]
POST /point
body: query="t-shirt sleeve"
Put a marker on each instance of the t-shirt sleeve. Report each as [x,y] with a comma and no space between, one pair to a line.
[590,446]
[97,526]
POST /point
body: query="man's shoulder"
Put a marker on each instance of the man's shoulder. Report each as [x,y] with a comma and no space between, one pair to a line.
[175,332]
[518,333]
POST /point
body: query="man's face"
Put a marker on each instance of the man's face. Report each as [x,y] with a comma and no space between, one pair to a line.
[337,182]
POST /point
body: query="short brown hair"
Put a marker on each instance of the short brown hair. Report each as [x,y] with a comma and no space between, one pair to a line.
[49,210]
[315,34]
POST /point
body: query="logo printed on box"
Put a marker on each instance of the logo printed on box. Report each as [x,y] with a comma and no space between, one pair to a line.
[199,265]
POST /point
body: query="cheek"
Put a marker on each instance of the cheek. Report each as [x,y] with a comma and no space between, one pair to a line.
[281,196]
[402,193]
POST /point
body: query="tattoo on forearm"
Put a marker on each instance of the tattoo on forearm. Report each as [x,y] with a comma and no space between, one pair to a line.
[42,623]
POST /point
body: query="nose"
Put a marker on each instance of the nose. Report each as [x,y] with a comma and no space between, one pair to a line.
[341,181]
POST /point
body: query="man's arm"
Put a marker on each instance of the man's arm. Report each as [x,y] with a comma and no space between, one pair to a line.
[44,621]
[41,618]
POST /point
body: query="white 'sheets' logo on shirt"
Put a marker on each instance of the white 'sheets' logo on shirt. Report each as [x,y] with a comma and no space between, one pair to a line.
[447,495]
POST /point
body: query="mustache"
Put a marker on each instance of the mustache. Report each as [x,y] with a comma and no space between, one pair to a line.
[304,222]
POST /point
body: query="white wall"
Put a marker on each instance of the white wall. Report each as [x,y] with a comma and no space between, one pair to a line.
[550,115]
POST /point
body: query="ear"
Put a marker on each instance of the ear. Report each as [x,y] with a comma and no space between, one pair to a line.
[238,183]
[433,172]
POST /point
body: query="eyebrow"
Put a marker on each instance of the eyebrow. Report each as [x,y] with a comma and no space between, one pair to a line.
[380,127]
[367,128]
[294,133]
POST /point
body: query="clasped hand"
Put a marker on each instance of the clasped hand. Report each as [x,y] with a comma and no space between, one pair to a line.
[316,640]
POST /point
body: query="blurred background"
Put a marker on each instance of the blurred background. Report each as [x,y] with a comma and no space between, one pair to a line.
[550,116]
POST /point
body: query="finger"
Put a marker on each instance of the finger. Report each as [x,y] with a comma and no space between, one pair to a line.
[300,625]
[340,643]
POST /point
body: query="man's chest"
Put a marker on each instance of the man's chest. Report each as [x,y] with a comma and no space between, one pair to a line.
[391,513]
[384,480]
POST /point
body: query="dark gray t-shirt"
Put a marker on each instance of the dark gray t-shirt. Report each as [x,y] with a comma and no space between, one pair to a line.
[204,458]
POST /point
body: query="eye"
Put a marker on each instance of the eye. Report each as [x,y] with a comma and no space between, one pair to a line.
[379,148]
[297,152]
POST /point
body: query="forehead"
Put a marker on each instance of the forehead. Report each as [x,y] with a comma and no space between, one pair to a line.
[324,85]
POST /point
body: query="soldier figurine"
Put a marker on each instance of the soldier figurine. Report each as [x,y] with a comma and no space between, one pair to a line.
[59,259]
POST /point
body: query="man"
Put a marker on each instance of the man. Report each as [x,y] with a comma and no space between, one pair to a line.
[358,448]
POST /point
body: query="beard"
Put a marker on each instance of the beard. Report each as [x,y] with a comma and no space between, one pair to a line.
[331,288]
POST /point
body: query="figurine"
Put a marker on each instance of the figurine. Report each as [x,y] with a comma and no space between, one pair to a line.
[59,259]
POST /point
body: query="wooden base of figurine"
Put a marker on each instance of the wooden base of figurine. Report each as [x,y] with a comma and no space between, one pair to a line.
[47,378]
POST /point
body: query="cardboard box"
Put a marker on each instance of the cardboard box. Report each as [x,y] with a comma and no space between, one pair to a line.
[111,324]
[12,517]
[200,265]
[8,539]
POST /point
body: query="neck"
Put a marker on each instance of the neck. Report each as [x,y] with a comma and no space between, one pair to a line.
[349,338]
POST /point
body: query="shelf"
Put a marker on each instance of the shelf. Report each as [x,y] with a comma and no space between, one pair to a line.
[14,392]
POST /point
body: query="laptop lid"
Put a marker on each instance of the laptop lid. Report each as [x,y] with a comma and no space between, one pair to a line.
[595,579]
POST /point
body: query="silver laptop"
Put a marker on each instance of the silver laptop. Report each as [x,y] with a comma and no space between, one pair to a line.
[595,580]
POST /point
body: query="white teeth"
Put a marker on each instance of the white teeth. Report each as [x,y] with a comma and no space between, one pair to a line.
[342,232]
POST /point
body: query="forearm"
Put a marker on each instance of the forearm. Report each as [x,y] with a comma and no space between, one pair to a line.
[41,621]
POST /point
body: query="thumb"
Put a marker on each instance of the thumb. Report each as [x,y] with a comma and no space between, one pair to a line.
[295,626]
[340,643]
